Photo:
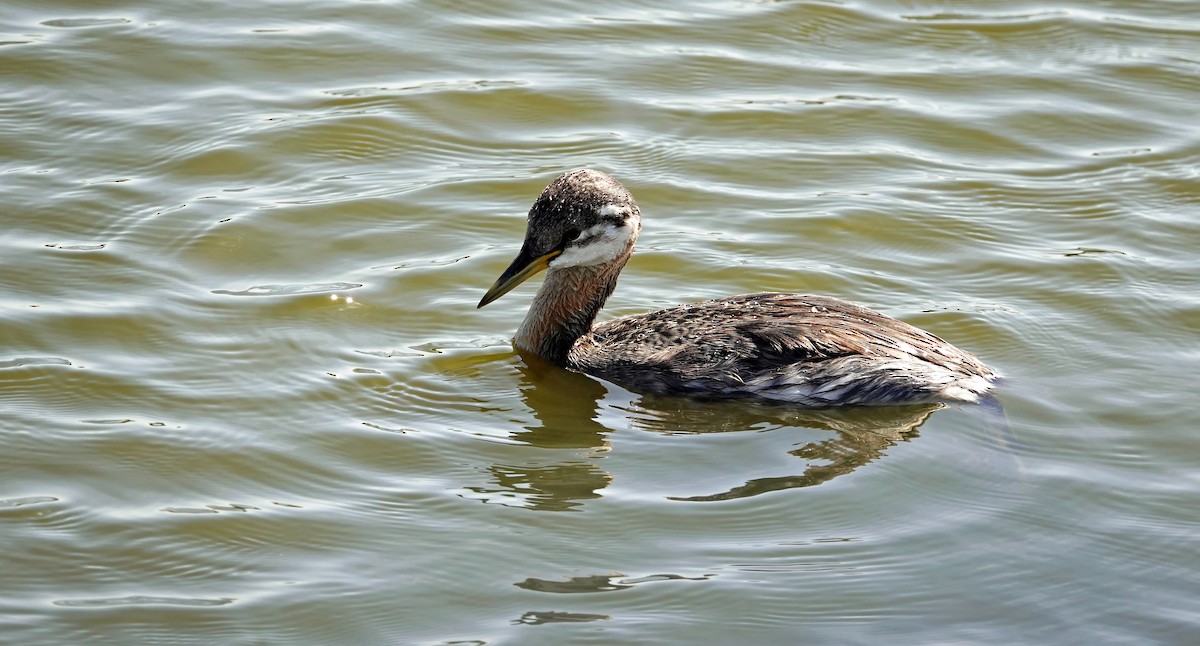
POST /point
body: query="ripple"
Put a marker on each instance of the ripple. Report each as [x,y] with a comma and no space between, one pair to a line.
[76,23]
[427,262]
[966,18]
[182,465]
[442,85]
[34,361]
[211,509]
[78,247]
[144,600]
[28,500]
[1082,251]
[289,290]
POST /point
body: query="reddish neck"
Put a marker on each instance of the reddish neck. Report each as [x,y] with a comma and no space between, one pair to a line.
[565,308]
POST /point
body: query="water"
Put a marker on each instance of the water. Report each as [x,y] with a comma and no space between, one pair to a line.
[247,397]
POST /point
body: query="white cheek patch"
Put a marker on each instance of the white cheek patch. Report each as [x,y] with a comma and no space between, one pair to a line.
[601,244]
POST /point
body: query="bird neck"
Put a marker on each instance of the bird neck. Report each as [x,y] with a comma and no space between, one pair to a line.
[565,308]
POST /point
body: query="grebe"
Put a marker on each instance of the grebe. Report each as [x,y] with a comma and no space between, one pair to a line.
[808,350]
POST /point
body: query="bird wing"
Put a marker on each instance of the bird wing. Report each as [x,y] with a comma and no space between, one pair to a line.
[818,328]
[752,336]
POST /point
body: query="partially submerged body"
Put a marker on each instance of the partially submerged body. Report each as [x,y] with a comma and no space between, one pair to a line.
[808,350]
[811,350]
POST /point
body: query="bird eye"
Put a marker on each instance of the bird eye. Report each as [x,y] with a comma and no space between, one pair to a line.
[570,235]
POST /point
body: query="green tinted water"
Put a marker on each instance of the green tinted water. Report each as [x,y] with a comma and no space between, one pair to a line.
[246,397]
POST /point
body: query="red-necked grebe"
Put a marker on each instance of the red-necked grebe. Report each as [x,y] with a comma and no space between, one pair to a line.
[809,350]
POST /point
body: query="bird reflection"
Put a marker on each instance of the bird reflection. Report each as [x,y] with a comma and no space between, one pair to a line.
[536,618]
[860,436]
[559,487]
[568,407]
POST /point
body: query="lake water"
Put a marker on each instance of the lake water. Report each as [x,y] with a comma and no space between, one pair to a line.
[246,397]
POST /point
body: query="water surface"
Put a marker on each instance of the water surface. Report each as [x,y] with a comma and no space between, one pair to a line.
[246,397]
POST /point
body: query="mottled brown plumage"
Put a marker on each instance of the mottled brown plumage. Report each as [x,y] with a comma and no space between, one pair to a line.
[810,350]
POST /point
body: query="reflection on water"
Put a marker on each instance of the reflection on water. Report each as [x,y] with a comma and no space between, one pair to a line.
[859,436]
[141,600]
[245,386]
[535,618]
[599,583]
[553,488]
[575,584]
[568,406]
